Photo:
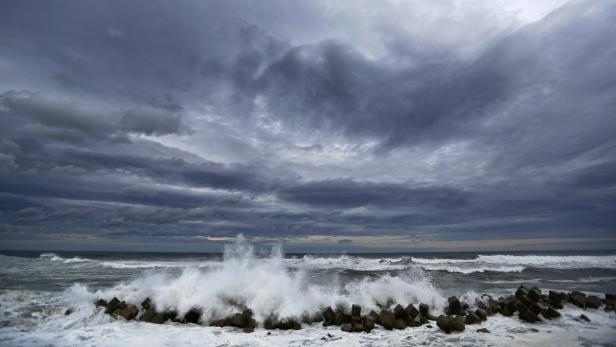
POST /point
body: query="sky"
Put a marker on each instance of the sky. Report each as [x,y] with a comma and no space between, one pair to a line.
[330,126]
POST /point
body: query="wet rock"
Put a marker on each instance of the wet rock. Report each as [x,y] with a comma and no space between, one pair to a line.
[377,318]
[358,327]
[68,311]
[551,313]
[534,294]
[529,316]
[387,319]
[342,317]
[400,313]
[112,305]
[192,316]
[101,303]
[369,322]
[578,299]
[506,311]
[519,306]
[537,307]
[610,296]
[148,315]
[583,318]
[159,318]
[128,312]
[483,331]
[171,315]
[424,310]
[355,314]
[289,324]
[270,322]
[443,322]
[593,301]
[399,324]
[329,317]
[481,314]
[525,300]
[311,318]
[454,305]
[355,310]
[249,326]
[346,328]
[521,291]
[457,323]
[493,306]
[146,304]
[472,318]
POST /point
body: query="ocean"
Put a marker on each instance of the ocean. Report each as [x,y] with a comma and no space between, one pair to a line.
[37,288]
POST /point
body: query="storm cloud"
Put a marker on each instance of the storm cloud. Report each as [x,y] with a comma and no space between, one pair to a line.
[317,124]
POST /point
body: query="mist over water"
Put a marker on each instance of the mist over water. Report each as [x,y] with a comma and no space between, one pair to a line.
[37,288]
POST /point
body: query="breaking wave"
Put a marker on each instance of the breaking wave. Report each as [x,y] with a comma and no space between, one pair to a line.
[266,285]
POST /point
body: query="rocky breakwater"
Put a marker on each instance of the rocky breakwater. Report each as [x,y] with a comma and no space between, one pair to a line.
[531,305]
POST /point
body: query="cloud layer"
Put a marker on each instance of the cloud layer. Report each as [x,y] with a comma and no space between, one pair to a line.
[322,125]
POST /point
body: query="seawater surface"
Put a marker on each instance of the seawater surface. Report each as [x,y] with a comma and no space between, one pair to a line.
[36,288]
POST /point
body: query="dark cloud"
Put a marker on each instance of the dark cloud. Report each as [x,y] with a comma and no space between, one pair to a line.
[86,120]
[346,193]
[177,121]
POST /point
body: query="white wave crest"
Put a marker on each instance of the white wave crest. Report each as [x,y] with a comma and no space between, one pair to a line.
[267,286]
[515,263]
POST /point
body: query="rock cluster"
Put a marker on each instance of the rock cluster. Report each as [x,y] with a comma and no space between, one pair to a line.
[530,304]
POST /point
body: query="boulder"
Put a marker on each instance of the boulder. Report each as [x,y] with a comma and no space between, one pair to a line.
[457,323]
[192,316]
[583,318]
[424,310]
[356,311]
[472,318]
[443,322]
[128,312]
[522,291]
[482,305]
[399,324]
[610,296]
[289,324]
[454,305]
[506,311]
[529,316]
[249,326]
[534,294]
[112,305]
[551,313]
[555,298]
[578,299]
[148,315]
[411,311]
[400,313]
[146,303]
[483,315]
[358,327]
[101,303]
[593,301]
[329,316]
[159,318]
[483,331]
[170,315]
[377,318]
[369,322]
[68,311]
[347,328]
[493,306]
[387,319]
[537,307]
[270,322]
